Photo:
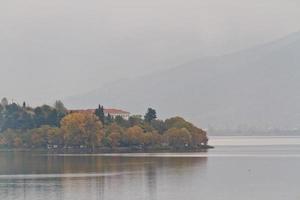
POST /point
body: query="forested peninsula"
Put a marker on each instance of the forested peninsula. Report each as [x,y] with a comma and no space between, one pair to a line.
[55,128]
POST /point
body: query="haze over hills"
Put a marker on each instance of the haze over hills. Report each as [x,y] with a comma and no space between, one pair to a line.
[258,87]
[54,49]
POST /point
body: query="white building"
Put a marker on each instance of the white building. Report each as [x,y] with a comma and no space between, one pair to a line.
[116,112]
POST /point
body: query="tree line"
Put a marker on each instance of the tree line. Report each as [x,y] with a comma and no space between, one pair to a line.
[54,126]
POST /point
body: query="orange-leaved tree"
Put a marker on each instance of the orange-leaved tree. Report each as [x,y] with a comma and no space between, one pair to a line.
[198,136]
[134,136]
[82,129]
[178,137]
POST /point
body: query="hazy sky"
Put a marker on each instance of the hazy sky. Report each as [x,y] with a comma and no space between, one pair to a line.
[53,49]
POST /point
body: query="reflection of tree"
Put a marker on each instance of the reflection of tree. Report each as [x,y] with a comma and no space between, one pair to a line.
[100,188]
[121,175]
[151,181]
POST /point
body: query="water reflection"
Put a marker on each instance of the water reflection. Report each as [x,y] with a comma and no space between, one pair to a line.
[225,173]
[32,176]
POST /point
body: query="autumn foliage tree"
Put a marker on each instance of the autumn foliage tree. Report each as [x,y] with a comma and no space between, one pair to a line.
[198,136]
[134,136]
[152,139]
[113,135]
[82,129]
[178,137]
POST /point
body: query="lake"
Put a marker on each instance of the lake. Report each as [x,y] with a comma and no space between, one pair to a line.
[238,168]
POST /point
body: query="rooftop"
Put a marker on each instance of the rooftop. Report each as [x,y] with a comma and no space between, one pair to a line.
[115,111]
[106,110]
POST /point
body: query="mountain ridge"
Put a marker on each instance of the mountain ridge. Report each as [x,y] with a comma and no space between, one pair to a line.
[225,91]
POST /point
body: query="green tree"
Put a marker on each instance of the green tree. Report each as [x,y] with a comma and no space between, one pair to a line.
[15,117]
[150,115]
[60,108]
[2,141]
[109,119]
[1,117]
[100,113]
[1,109]
[4,102]
[46,115]
[121,121]
[135,120]
[106,142]
[159,126]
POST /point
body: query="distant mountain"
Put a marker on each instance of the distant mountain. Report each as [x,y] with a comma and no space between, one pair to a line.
[258,88]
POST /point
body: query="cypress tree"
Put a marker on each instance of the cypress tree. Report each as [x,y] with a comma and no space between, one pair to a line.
[100,113]
[150,115]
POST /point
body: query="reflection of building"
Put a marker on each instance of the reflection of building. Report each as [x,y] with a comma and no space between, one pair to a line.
[116,112]
[110,111]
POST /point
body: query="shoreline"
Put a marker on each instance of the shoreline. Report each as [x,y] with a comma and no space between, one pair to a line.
[108,150]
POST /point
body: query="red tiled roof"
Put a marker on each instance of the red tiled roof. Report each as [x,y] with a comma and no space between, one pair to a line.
[109,110]
[115,111]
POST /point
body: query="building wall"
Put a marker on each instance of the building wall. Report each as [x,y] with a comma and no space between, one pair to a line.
[124,116]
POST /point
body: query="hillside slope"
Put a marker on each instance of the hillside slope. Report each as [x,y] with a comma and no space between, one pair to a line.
[258,87]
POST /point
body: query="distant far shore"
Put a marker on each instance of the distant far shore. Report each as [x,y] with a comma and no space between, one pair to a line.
[254,133]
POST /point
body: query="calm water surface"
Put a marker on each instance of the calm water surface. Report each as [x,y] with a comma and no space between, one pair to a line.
[238,168]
